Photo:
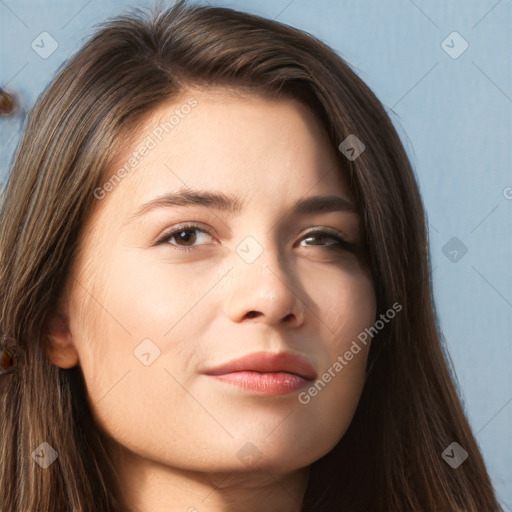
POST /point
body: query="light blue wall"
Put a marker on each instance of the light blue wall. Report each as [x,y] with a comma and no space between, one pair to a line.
[455,118]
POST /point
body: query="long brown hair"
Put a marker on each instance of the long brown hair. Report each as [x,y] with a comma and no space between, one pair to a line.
[409,412]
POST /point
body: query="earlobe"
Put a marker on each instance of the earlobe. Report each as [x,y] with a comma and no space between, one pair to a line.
[59,342]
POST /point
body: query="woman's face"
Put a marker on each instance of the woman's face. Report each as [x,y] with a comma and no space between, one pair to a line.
[159,309]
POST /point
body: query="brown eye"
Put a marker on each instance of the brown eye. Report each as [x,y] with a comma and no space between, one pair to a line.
[339,244]
[184,237]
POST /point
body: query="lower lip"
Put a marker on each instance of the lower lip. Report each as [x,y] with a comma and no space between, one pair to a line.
[269,384]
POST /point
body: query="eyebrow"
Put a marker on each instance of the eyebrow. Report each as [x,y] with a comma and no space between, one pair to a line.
[230,204]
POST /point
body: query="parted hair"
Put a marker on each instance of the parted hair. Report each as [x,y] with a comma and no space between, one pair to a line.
[409,411]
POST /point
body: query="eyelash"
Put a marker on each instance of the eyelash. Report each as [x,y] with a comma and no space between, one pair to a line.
[341,245]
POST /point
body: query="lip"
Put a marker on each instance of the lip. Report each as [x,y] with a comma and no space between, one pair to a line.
[267,373]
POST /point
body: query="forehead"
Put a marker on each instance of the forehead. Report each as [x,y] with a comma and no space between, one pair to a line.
[221,140]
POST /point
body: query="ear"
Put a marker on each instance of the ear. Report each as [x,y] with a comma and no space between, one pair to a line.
[59,342]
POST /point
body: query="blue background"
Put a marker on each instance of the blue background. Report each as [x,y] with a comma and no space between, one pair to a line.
[455,119]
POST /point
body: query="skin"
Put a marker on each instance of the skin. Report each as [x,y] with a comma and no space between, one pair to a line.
[175,433]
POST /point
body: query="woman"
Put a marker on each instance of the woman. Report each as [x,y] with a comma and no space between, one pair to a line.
[215,289]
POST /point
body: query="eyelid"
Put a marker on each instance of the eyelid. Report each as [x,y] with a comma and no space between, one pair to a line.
[195,224]
[335,233]
[343,240]
[315,228]
[182,226]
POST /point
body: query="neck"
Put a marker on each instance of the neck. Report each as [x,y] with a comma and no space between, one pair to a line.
[148,486]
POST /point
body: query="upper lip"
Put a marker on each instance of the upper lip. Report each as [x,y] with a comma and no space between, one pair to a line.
[267,362]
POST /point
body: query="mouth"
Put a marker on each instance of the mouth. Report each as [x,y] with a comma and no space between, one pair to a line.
[269,374]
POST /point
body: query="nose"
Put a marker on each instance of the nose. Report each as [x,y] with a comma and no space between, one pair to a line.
[264,291]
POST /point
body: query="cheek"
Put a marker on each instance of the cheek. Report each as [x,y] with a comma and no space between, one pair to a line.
[347,302]
[133,332]
[356,311]
[150,296]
